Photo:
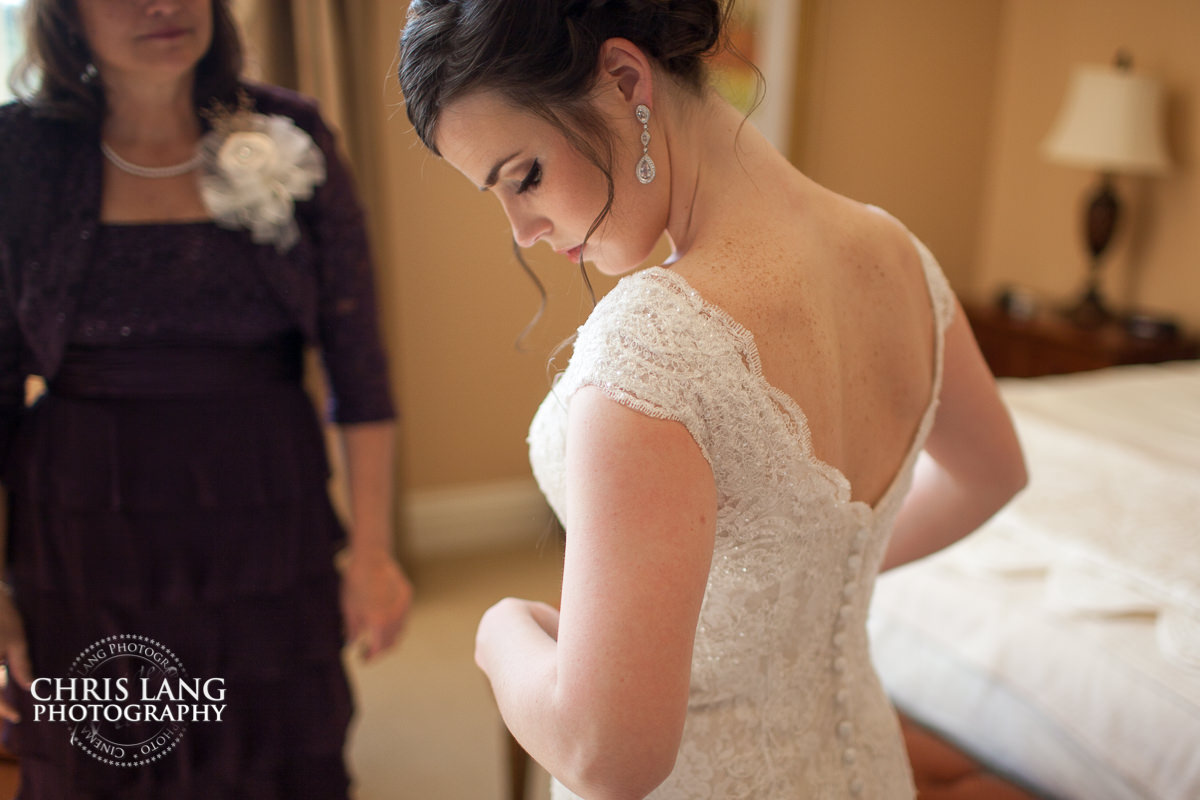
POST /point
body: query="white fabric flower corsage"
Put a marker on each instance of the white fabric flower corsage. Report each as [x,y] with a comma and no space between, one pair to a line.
[254,168]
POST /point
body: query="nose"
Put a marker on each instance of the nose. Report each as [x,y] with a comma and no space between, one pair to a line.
[527,227]
[157,8]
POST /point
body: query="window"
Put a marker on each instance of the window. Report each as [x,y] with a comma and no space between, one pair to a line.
[10,42]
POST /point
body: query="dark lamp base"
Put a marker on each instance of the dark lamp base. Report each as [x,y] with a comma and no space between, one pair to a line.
[1090,311]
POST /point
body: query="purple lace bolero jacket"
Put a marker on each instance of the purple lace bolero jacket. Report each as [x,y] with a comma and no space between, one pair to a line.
[49,215]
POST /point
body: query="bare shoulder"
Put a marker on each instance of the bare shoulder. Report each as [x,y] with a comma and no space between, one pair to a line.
[813,247]
[856,231]
[889,234]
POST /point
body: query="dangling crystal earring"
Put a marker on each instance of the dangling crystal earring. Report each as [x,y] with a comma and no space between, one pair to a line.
[645,165]
[89,73]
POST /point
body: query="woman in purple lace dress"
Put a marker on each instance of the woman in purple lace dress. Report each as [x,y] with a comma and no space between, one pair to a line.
[171,240]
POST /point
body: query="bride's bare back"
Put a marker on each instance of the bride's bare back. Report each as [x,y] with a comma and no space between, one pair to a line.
[837,301]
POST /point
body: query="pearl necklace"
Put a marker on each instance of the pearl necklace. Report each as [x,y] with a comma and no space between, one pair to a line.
[170,171]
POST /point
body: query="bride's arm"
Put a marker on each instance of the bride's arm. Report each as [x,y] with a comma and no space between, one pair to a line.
[603,706]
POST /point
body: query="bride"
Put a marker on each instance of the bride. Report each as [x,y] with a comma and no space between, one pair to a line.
[743,437]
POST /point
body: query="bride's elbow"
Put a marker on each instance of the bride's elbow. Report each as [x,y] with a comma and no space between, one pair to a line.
[622,770]
[1011,475]
[993,469]
[633,785]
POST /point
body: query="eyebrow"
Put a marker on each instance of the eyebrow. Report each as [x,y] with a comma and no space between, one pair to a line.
[494,175]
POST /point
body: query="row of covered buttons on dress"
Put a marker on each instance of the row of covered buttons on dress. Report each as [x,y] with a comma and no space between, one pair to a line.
[845,728]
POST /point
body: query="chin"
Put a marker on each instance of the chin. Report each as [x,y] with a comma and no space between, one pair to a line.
[608,263]
[616,267]
[613,270]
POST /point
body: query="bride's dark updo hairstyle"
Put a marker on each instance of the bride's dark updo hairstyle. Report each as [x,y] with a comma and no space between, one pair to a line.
[542,57]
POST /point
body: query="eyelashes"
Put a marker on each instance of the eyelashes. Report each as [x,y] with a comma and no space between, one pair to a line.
[532,178]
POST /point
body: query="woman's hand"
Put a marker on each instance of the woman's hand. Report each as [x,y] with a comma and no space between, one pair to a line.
[376,597]
[14,653]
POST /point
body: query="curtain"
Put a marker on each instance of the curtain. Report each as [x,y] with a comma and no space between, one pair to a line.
[318,47]
[309,45]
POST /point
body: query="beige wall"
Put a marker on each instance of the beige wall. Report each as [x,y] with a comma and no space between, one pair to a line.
[897,110]
[935,109]
[1031,233]
[459,301]
[930,108]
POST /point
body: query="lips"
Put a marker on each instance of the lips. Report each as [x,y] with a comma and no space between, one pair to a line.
[573,253]
[167,33]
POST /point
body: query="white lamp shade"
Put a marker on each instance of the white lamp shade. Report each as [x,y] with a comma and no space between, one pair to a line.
[1112,120]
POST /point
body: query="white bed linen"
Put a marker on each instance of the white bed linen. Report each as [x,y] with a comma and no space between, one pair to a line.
[1061,643]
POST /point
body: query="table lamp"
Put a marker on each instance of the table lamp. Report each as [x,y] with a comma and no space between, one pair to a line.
[1112,122]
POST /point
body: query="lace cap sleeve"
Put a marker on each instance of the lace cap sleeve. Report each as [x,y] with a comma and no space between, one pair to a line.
[650,346]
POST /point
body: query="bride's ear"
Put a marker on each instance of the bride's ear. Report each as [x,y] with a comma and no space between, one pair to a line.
[627,69]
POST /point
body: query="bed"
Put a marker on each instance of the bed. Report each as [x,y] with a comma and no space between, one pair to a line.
[1060,644]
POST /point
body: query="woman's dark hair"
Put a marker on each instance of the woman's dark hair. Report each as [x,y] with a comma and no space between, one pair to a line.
[541,56]
[57,77]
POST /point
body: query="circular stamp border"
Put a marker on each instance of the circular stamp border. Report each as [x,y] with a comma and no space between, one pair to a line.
[177,728]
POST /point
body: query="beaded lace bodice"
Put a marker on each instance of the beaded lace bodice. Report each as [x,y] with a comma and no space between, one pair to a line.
[784,702]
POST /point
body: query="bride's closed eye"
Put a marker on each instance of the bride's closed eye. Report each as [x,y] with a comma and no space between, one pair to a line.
[532,178]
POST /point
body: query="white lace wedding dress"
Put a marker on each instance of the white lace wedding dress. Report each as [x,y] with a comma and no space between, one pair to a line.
[784,703]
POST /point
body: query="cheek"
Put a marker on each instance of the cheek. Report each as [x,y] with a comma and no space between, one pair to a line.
[203,14]
[630,231]
[574,205]
[106,30]
[96,24]
[206,35]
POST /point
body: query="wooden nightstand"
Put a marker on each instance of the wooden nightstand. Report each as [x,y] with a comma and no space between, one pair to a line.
[1048,344]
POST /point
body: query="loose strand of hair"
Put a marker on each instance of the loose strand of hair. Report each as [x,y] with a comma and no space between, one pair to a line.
[523,336]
